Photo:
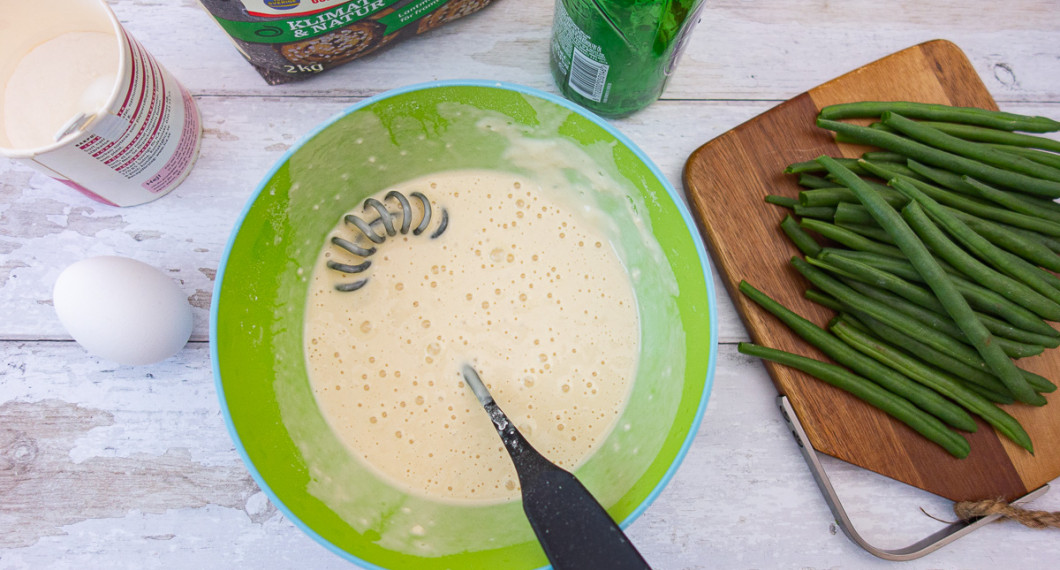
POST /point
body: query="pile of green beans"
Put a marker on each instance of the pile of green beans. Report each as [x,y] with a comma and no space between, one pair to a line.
[937,252]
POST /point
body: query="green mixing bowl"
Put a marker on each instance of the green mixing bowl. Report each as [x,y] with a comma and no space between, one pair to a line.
[260,296]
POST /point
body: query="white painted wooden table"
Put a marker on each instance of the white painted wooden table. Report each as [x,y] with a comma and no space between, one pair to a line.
[105,466]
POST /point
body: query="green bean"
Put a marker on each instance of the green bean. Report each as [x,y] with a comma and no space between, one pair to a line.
[924,398]
[1012,289]
[953,181]
[939,359]
[979,297]
[972,150]
[991,353]
[911,245]
[839,194]
[992,396]
[943,159]
[1021,259]
[1012,240]
[898,266]
[815,212]
[849,319]
[849,238]
[884,190]
[937,380]
[925,299]
[870,275]
[823,299]
[890,195]
[807,180]
[782,201]
[883,156]
[811,166]
[1014,342]
[855,213]
[988,135]
[871,231]
[974,206]
[882,127]
[829,196]
[894,168]
[802,240]
[968,363]
[1004,329]
[1046,158]
[883,312]
[1038,382]
[947,113]
[1011,201]
[849,215]
[886,172]
[1050,242]
[1012,265]
[941,323]
[894,406]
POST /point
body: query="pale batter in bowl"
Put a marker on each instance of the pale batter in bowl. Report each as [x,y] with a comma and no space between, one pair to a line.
[519,284]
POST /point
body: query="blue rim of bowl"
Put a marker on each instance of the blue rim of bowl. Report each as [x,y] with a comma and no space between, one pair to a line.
[678,201]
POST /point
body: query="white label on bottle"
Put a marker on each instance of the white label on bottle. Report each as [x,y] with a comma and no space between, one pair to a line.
[577,53]
[587,77]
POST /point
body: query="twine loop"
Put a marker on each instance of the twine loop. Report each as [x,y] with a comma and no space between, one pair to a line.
[968,510]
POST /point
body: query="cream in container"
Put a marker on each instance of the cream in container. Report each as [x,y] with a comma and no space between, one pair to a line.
[83,102]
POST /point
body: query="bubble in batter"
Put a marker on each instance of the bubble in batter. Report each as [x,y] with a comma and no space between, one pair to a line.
[540,305]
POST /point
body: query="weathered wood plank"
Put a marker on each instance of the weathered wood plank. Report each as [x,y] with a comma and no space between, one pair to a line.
[740,50]
[45,226]
[104,466]
[82,439]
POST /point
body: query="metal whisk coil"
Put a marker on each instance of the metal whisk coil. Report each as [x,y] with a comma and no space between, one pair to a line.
[385,222]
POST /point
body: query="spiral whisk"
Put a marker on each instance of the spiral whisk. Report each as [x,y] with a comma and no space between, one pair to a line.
[382,227]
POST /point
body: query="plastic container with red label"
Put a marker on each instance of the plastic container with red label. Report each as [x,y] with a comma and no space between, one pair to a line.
[83,102]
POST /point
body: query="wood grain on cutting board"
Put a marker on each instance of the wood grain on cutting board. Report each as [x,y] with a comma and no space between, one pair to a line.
[726,180]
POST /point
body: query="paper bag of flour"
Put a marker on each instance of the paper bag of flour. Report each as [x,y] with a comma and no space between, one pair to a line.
[289,40]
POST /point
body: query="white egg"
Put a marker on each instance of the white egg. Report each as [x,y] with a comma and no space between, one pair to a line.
[122,310]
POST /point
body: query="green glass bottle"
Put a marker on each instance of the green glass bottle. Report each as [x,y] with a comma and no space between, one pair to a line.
[615,56]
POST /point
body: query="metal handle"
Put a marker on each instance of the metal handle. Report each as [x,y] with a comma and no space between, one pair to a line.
[916,550]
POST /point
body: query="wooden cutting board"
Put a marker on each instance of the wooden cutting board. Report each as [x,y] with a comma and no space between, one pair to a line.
[726,180]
